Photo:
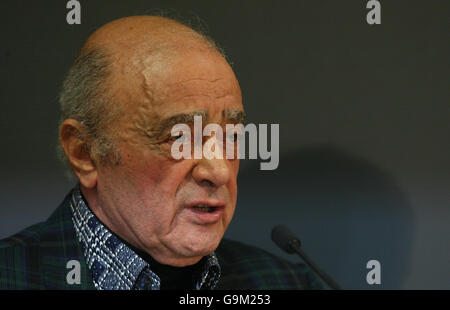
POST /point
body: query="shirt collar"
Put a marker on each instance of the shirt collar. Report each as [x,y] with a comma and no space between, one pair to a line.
[114,265]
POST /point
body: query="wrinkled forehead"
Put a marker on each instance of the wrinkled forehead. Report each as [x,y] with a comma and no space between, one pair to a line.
[170,86]
[191,73]
[169,81]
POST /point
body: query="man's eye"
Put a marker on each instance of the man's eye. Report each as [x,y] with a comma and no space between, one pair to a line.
[180,138]
[233,137]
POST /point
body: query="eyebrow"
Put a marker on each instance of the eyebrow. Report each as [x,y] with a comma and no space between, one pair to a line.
[235,116]
[181,118]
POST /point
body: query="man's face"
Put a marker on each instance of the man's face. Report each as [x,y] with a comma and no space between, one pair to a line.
[149,198]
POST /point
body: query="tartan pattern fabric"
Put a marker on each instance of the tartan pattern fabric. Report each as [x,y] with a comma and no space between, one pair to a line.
[113,265]
[246,267]
[37,257]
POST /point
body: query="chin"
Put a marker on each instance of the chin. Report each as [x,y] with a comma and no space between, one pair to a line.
[199,247]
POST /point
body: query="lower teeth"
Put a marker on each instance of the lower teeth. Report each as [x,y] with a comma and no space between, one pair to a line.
[204,209]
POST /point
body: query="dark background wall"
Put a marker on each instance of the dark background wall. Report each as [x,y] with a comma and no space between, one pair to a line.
[363,113]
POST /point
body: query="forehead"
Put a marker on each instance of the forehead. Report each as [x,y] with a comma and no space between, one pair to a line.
[198,80]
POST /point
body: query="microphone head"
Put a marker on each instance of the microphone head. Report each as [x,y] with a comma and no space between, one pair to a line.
[284,238]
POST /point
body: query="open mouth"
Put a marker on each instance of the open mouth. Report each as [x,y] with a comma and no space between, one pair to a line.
[204,208]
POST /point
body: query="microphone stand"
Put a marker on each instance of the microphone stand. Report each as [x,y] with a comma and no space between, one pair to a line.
[295,245]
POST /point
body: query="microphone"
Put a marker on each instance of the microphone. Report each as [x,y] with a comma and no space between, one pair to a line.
[289,243]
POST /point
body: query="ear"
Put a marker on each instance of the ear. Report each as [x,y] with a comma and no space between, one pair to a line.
[77,152]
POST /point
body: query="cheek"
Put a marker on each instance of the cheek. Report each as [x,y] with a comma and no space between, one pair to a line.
[156,175]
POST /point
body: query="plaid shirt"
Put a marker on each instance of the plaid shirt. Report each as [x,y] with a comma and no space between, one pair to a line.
[114,265]
[38,257]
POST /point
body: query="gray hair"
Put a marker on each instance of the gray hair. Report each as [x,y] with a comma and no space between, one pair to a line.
[85,98]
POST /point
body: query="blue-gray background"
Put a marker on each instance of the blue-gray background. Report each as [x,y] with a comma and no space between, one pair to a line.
[363,113]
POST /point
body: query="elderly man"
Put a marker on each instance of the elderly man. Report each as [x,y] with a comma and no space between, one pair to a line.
[138,218]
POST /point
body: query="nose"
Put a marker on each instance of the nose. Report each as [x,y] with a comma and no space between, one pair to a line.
[214,172]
